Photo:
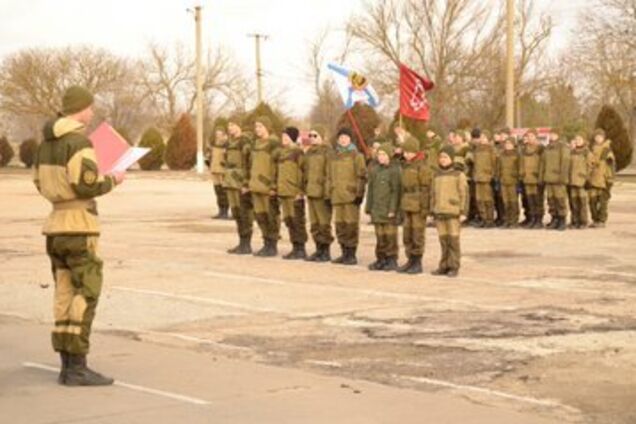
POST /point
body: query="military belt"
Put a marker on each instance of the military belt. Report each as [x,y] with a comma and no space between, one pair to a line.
[72,204]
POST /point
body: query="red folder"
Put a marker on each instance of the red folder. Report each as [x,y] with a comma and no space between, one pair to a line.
[109,147]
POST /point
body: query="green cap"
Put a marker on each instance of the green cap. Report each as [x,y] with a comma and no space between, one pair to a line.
[448,150]
[267,123]
[411,145]
[387,148]
[76,99]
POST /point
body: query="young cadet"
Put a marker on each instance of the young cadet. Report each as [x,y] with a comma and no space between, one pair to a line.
[580,165]
[601,178]
[554,173]
[474,138]
[415,205]
[383,198]
[499,139]
[315,176]
[456,139]
[508,179]
[529,173]
[449,202]
[484,166]
[235,183]
[345,186]
[289,187]
[218,146]
[262,185]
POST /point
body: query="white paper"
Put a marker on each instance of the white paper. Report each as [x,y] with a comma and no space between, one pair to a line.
[128,159]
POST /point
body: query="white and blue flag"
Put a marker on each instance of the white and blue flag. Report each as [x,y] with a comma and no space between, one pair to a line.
[353,87]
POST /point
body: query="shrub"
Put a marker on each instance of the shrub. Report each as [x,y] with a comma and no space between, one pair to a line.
[415,127]
[28,148]
[152,139]
[622,146]
[6,151]
[181,149]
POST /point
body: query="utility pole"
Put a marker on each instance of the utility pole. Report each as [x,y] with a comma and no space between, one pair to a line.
[259,70]
[510,63]
[199,98]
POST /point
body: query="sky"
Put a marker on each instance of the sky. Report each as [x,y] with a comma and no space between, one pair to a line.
[127,26]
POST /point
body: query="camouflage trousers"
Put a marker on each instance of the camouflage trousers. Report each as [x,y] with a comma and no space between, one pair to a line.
[78,283]
[414,233]
[511,204]
[267,214]
[578,205]
[220,191]
[386,245]
[557,196]
[599,202]
[242,211]
[448,229]
[485,202]
[347,219]
[534,194]
[320,221]
[294,218]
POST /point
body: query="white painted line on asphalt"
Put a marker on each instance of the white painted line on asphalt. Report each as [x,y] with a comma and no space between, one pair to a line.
[196,299]
[368,292]
[135,387]
[487,392]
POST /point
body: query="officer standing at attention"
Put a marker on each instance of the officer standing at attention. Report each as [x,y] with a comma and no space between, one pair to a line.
[66,174]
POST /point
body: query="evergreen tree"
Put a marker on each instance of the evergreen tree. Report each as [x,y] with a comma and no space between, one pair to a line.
[181,149]
[622,146]
[6,151]
[28,149]
[152,139]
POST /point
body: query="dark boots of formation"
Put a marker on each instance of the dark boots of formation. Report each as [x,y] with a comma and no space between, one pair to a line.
[75,372]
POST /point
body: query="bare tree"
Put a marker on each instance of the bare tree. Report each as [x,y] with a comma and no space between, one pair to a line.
[32,81]
[603,58]
[168,79]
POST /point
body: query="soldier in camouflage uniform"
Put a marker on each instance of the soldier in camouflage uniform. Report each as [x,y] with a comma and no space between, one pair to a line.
[262,185]
[580,165]
[289,187]
[346,180]
[473,217]
[415,205]
[601,178]
[499,138]
[217,149]
[383,198]
[66,174]
[315,176]
[530,169]
[449,201]
[508,179]
[554,176]
[235,183]
[484,167]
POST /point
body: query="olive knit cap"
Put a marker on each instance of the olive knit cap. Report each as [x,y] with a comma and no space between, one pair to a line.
[411,145]
[387,148]
[76,99]
[267,123]
[447,150]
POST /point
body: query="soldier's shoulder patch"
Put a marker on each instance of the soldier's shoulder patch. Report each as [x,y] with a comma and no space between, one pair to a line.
[89,177]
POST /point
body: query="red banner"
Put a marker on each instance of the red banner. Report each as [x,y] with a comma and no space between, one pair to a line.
[413,88]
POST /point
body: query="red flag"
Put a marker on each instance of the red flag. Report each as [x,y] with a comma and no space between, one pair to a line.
[413,88]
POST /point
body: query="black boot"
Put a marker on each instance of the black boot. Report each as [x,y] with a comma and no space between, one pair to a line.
[350,256]
[61,379]
[244,247]
[452,273]
[416,268]
[404,268]
[340,259]
[390,264]
[554,223]
[378,264]
[269,249]
[325,255]
[561,224]
[298,252]
[78,374]
[440,271]
[537,224]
